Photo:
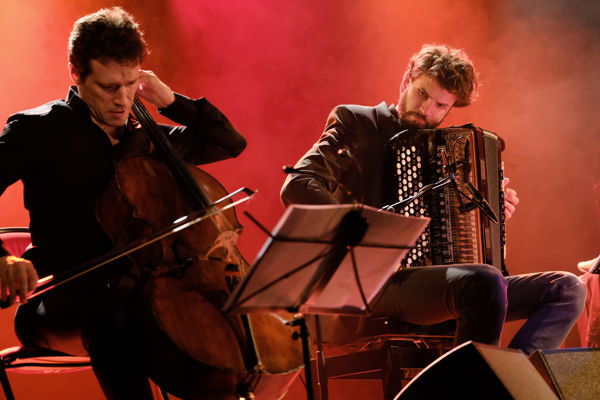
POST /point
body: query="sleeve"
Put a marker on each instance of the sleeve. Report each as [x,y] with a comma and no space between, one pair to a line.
[318,174]
[16,152]
[206,135]
[14,158]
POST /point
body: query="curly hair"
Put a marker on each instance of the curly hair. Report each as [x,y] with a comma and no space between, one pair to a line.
[108,34]
[452,68]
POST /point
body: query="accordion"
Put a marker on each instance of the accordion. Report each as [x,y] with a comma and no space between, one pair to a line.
[451,167]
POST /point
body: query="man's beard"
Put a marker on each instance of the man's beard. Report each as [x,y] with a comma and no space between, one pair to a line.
[404,115]
[406,122]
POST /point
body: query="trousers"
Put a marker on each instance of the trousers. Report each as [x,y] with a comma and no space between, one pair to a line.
[94,321]
[481,299]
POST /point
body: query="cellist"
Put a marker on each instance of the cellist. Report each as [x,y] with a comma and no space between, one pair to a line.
[64,152]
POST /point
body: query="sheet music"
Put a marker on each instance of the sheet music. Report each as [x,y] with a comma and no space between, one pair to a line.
[283,269]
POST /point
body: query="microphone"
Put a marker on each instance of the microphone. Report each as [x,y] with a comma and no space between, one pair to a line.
[476,200]
[346,152]
[449,170]
[466,165]
[481,203]
[341,152]
[289,170]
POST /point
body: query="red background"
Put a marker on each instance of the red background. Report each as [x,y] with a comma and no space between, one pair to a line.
[276,68]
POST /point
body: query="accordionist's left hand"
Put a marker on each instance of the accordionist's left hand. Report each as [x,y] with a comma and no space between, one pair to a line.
[510,199]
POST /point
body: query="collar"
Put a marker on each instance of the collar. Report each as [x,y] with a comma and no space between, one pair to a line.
[394,111]
[79,106]
[395,116]
[76,102]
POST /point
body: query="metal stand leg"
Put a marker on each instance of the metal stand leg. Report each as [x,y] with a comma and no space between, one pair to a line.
[303,335]
[320,364]
[6,384]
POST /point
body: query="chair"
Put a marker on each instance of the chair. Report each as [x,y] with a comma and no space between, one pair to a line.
[391,351]
[35,360]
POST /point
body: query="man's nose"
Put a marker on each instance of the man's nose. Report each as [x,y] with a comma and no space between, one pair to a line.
[425,105]
[121,96]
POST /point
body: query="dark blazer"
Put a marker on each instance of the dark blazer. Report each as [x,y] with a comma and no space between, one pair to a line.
[346,164]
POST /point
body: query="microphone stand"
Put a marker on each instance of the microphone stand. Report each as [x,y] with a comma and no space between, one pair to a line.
[424,190]
[477,201]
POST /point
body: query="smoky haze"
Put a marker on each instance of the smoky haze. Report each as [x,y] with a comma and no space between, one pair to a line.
[276,68]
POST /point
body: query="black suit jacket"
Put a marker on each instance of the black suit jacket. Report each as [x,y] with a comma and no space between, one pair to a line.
[347,163]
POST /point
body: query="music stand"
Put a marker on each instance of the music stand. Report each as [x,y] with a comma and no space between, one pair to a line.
[310,263]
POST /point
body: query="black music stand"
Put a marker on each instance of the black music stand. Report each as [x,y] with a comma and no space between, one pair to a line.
[310,263]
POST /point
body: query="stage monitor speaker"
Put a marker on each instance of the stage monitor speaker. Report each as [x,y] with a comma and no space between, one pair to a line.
[478,371]
[574,374]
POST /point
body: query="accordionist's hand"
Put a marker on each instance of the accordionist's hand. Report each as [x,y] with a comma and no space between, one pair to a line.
[510,199]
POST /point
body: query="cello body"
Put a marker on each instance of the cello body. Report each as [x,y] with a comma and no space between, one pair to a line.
[197,352]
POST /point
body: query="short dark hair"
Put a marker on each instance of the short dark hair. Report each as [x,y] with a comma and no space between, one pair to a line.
[452,68]
[108,34]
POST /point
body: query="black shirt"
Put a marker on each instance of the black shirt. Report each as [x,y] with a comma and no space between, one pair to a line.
[65,161]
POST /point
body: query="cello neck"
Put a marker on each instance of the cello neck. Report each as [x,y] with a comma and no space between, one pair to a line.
[170,157]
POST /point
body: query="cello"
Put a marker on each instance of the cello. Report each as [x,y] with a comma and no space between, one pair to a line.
[201,353]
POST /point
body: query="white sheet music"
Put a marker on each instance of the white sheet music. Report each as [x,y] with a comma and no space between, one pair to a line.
[283,269]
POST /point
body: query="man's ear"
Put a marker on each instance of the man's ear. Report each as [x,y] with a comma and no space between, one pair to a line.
[75,74]
[406,80]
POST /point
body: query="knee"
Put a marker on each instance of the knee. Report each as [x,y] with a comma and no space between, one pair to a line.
[27,327]
[488,277]
[488,287]
[571,290]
